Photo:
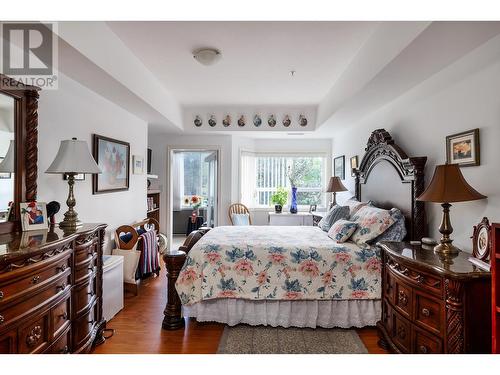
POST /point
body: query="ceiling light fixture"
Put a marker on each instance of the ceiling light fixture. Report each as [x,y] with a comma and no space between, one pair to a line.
[292,73]
[207,56]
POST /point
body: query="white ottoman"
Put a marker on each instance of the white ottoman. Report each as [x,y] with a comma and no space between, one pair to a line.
[112,286]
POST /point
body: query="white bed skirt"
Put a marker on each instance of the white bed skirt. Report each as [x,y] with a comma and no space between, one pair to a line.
[311,314]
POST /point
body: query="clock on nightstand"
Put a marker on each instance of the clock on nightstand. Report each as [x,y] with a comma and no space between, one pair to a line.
[433,303]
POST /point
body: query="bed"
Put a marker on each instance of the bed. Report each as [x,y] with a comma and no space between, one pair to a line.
[298,276]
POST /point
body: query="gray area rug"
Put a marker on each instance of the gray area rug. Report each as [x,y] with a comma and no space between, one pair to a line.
[245,339]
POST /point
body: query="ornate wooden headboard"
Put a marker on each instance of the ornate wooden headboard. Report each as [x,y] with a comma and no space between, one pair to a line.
[389,178]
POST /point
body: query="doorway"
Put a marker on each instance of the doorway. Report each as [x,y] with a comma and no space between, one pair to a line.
[193,191]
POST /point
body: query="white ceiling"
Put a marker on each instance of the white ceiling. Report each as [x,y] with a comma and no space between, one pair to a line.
[257,58]
[344,70]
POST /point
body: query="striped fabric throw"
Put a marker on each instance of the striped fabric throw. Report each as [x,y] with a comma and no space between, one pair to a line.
[148,262]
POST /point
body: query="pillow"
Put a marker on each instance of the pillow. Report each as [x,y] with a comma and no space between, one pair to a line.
[372,221]
[396,232]
[354,205]
[240,219]
[334,214]
[342,230]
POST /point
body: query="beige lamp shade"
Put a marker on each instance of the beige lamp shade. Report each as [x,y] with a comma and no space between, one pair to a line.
[448,185]
[7,164]
[73,157]
[335,185]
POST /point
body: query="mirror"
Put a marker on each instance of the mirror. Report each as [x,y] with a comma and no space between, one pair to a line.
[7,155]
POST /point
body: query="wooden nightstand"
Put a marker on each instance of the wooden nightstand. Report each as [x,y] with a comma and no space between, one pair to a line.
[431,304]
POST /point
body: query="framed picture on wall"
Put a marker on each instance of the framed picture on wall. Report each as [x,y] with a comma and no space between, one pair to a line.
[113,157]
[354,164]
[137,164]
[463,148]
[339,167]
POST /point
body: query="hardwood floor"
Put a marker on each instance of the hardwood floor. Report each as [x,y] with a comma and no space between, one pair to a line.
[138,328]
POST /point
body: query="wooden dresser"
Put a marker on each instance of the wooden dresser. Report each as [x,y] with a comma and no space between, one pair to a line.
[50,290]
[431,304]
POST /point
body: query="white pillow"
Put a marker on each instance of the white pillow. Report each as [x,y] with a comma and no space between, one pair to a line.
[354,205]
[130,263]
[341,230]
[372,222]
[240,219]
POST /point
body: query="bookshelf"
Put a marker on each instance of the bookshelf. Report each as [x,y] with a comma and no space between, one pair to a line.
[154,204]
[495,287]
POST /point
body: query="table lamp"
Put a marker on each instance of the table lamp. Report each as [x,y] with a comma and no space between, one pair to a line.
[72,158]
[334,186]
[448,185]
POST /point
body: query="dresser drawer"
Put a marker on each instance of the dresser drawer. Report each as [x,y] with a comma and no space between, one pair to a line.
[84,295]
[85,251]
[83,326]
[58,286]
[8,342]
[425,343]
[429,313]
[61,315]
[403,298]
[389,286]
[62,345]
[401,332]
[84,270]
[432,284]
[30,281]
[34,337]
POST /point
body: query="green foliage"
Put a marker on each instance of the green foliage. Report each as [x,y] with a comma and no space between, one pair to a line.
[280,197]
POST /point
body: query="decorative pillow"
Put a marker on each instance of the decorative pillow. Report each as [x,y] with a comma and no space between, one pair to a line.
[335,213]
[396,232]
[342,230]
[372,221]
[240,219]
[354,205]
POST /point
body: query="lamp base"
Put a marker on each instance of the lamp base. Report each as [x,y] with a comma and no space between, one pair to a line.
[69,225]
[446,248]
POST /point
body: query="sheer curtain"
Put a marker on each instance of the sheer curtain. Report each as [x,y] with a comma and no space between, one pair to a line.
[178,180]
[247,179]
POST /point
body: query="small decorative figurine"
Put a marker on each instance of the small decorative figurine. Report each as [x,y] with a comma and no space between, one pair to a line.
[302,120]
[226,121]
[257,121]
[241,120]
[286,121]
[198,121]
[271,121]
[212,121]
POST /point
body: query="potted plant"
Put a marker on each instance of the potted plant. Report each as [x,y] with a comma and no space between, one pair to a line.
[279,199]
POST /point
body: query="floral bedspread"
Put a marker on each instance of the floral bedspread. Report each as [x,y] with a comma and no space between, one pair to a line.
[278,263]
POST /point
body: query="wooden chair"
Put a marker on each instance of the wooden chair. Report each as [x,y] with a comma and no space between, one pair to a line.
[135,240]
[238,208]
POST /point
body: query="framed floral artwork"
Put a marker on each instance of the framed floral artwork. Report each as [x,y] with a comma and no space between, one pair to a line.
[137,164]
[113,157]
[463,148]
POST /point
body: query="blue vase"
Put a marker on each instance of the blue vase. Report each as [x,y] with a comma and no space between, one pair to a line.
[293,206]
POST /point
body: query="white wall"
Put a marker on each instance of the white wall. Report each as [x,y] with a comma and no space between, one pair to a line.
[74,111]
[455,100]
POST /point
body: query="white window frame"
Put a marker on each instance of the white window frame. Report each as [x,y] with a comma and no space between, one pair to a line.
[324,177]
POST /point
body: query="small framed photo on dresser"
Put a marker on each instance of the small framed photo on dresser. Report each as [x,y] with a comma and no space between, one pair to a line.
[463,148]
[481,242]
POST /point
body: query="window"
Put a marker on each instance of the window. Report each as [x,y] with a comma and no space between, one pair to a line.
[191,175]
[262,174]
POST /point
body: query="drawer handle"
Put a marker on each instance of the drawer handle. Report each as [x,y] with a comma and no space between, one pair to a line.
[35,279]
[61,287]
[62,268]
[426,312]
[1,294]
[34,336]
[64,316]
[401,332]
[2,319]
[403,298]
[422,349]
[64,350]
